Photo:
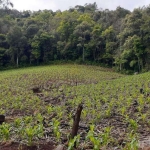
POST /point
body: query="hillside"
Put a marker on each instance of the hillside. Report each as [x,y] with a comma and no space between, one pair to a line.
[39,103]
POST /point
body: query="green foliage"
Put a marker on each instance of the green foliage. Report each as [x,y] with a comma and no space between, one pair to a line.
[118,38]
[31,132]
[5,131]
[73,142]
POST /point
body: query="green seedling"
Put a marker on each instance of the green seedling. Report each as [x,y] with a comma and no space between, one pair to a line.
[31,132]
[73,142]
[5,131]
[55,124]
[94,140]
[133,124]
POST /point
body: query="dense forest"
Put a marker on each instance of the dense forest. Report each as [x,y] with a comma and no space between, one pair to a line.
[82,34]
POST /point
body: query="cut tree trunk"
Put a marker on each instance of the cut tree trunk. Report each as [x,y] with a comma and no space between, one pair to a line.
[76,121]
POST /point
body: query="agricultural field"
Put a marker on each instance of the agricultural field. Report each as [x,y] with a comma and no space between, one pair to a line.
[39,104]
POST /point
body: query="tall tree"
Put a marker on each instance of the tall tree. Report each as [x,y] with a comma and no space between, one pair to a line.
[82,31]
[110,46]
[14,39]
[3,48]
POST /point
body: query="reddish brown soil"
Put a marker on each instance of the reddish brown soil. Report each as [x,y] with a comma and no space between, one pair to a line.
[17,146]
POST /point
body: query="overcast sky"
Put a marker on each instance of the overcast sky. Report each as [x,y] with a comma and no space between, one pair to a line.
[66,4]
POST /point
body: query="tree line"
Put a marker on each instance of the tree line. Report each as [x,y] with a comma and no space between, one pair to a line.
[83,34]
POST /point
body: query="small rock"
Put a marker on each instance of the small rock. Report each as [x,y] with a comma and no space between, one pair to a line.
[146,148]
[59,147]
[3,143]
[8,143]
[136,73]
[60,90]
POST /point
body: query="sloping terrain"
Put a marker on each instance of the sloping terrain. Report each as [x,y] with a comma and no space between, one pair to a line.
[39,104]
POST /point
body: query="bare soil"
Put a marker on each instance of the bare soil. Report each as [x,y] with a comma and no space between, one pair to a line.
[17,146]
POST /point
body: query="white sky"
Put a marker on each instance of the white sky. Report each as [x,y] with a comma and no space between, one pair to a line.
[66,4]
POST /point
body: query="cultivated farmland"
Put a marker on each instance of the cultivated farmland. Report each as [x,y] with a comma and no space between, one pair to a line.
[40,103]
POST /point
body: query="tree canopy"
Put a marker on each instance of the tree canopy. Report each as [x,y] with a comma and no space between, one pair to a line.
[84,34]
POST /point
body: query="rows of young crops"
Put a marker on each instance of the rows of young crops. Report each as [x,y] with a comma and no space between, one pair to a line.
[39,104]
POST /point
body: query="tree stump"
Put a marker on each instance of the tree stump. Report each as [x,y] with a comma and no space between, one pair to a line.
[76,122]
[2,119]
[36,90]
